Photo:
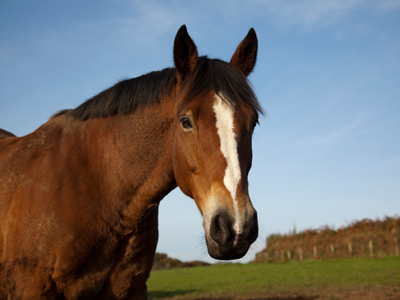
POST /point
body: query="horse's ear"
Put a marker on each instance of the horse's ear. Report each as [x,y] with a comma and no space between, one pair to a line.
[185,53]
[246,53]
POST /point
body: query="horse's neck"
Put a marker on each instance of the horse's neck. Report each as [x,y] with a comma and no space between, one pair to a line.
[133,153]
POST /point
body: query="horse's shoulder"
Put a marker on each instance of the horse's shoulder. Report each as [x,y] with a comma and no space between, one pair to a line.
[5,134]
[26,150]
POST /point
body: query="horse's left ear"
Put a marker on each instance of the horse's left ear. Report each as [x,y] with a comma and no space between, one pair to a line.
[185,53]
[246,53]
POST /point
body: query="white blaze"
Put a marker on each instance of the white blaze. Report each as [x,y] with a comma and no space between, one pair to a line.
[224,113]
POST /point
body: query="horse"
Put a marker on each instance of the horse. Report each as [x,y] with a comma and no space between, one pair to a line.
[79,196]
[5,133]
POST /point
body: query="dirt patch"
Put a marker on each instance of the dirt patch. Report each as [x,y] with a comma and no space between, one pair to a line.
[373,293]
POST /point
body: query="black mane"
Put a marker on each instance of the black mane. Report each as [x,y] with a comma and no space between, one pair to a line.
[127,95]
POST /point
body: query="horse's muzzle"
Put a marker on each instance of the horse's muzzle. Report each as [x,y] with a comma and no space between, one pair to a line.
[223,242]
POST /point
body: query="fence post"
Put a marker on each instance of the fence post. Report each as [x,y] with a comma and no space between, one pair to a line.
[266,256]
[300,254]
[350,249]
[315,252]
[289,255]
[396,248]
[371,248]
[332,248]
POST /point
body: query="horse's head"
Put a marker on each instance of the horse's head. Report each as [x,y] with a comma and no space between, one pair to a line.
[215,114]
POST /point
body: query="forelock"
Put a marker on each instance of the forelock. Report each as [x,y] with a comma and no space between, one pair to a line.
[222,78]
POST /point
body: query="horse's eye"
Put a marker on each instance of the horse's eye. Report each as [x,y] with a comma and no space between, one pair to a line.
[254,124]
[185,122]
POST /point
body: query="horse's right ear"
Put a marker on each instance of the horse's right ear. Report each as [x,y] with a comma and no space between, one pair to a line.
[185,53]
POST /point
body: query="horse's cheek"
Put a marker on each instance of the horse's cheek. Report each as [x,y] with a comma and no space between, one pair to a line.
[184,167]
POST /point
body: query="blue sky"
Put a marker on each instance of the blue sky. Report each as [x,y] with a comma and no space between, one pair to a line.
[328,76]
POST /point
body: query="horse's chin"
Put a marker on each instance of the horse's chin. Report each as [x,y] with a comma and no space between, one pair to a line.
[228,250]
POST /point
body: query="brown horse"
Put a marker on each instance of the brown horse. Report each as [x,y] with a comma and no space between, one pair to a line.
[79,196]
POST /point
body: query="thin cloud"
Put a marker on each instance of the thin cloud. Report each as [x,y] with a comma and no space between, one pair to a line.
[151,21]
[387,5]
[5,50]
[341,133]
[312,14]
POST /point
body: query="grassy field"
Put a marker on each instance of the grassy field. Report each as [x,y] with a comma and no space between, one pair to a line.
[301,280]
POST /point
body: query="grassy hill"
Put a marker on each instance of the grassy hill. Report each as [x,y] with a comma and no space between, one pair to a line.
[360,278]
[163,262]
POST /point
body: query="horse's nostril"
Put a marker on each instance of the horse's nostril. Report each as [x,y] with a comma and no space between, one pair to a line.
[220,228]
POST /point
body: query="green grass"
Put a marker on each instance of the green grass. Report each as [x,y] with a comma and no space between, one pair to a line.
[242,279]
